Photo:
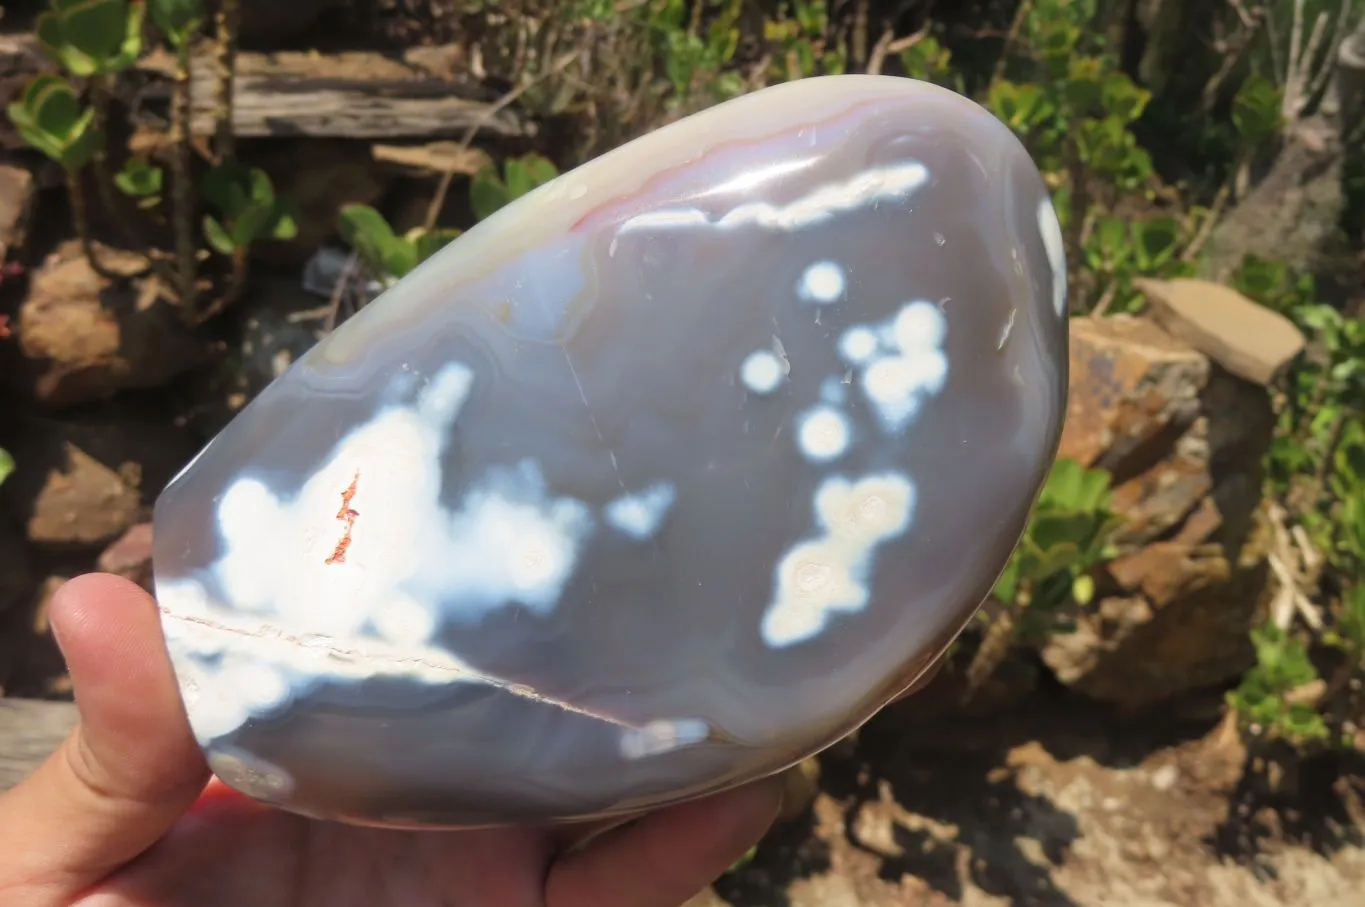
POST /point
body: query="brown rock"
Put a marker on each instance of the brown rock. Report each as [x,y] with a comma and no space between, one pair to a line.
[16,203]
[1133,388]
[130,556]
[1181,624]
[84,339]
[81,502]
[1184,442]
[141,450]
[1247,339]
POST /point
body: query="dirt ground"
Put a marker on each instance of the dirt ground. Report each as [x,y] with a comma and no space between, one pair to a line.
[1056,808]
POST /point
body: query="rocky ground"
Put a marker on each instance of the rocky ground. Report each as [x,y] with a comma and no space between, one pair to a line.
[1056,805]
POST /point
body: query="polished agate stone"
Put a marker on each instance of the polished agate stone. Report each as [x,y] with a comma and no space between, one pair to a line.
[661,479]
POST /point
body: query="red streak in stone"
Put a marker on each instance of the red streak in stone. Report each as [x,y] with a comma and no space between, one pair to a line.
[349,515]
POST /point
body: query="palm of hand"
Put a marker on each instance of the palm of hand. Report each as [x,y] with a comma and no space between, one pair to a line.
[228,851]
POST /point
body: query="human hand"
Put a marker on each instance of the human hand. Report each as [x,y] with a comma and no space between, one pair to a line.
[126,814]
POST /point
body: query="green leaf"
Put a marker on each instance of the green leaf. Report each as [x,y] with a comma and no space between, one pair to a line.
[139,179]
[386,254]
[249,224]
[50,118]
[428,243]
[6,465]
[1083,589]
[1155,242]
[217,235]
[176,19]
[92,37]
[95,27]
[1256,111]
[285,225]
[487,194]
[540,169]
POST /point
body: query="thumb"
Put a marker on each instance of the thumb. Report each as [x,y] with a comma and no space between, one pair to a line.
[127,771]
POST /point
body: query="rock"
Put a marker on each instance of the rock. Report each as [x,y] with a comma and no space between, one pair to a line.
[84,340]
[1247,339]
[1185,442]
[80,483]
[621,497]
[82,502]
[16,203]
[131,556]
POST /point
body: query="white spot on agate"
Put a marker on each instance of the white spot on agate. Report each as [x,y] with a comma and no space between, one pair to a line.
[662,736]
[830,573]
[901,361]
[897,385]
[823,433]
[857,345]
[871,186]
[640,515]
[762,372]
[250,774]
[1051,230]
[822,283]
[919,326]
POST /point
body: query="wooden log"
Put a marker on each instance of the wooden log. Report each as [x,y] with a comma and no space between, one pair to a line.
[353,94]
[30,730]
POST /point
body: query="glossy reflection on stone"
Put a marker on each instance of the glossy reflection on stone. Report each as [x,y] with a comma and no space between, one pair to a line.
[664,477]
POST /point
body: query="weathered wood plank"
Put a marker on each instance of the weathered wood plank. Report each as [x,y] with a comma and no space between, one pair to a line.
[29,731]
[353,94]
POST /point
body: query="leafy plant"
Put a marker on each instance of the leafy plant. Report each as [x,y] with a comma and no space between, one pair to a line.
[247,209]
[1076,110]
[695,56]
[929,61]
[142,181]
[50,117]
[388,256]
[93,40]
[6,465]
[178,20]
[799,35]
[490,190]
[1265,700]
[1067,537]
[92,37]
[1315,472]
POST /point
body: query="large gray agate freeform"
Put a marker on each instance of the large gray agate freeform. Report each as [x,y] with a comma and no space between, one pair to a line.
[661,479]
